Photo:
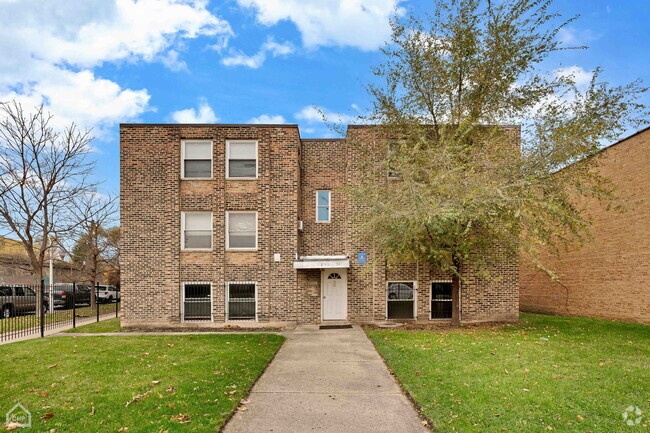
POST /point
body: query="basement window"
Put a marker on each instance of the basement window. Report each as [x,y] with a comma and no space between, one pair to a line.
[241,159]
[401,300]
[241,301]
[196,302]
[196,230]
[197,159]
[441,302]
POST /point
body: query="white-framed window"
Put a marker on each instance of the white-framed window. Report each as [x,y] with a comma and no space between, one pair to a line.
[241,300]
[323,206]
[400,302]
[196,231]
[196,159]
[241,159]
[241,230]
[196,302]
[441,300]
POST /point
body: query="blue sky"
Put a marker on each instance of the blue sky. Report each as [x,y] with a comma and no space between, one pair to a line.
[102,62]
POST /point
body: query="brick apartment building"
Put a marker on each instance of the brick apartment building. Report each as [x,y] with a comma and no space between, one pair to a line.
[609,277]
[236,223]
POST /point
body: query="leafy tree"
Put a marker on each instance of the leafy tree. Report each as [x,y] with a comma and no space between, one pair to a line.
[448,186]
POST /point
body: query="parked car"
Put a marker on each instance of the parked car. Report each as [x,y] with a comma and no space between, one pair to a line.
[63,295]
[400,291]
[18,300]
[107,294]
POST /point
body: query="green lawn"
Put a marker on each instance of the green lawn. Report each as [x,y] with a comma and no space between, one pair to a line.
[110,325]
[188,383]
[544,373]
[29,320]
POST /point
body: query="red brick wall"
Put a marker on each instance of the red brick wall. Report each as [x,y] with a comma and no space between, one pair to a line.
[609,277]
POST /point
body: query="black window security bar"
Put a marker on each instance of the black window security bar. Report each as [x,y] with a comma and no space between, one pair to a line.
[197,301]
[441,303]
[401,300]
[241,301]
[61,305]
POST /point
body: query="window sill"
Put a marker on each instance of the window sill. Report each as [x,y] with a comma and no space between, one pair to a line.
[242,178]
[323,222]
[241,250]
[196,250]
[197,178]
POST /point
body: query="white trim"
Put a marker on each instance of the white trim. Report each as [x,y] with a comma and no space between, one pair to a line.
[257,160]
[183,301]
[343,272]
[415,297]
[183,142]
[329,206]
[256,230]
[183,231]
[227,298]
[431,300]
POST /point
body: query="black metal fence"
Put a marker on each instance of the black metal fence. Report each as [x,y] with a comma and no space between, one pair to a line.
[65,304]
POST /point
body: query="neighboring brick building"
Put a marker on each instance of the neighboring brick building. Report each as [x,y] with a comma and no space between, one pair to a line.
[608,277]
[250,222]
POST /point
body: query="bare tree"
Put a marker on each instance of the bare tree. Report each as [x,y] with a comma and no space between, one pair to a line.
[43,173]
[95,248]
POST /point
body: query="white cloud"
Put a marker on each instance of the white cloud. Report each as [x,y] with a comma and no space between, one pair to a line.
[357,23]
[312,114]
[268,119]
[576,37]
[50,49]
[203,114]
[237,58]
[580,77]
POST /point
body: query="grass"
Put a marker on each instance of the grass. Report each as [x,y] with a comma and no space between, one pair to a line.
[110,325]
[29,320]
[188,383]
[546,373]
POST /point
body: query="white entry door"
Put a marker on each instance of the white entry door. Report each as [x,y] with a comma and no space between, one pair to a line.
[334,288]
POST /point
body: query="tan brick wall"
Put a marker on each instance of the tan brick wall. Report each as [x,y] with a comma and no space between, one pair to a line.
[290,171]
[153,196]
[609,277]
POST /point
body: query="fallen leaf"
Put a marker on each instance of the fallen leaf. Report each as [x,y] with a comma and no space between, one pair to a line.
[241,408]
[92,412]
[580,417]
[123,429]
[48,415]
[181,418]
[13,426]
[53,366]
[155,382]
[44,394]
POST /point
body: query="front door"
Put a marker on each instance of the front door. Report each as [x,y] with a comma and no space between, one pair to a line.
[334,288]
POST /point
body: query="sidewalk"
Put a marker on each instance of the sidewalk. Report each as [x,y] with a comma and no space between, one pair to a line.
[326,381]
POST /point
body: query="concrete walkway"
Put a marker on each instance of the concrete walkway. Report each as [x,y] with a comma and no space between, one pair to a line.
[326,381]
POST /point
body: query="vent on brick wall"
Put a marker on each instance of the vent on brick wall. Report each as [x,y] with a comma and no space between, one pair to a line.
[300,226]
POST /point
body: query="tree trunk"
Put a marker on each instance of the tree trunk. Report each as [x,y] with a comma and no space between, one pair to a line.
[455,294]
[455,300]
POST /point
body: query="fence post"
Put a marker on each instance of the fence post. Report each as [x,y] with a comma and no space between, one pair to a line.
[97,301]
[74,304]
[41,312]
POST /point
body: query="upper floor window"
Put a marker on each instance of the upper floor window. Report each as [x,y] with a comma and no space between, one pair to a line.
[197,159]
[323,206]
[197,230]
[241,159]
[241,231]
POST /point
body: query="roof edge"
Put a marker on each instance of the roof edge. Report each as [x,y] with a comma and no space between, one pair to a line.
[239,125]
